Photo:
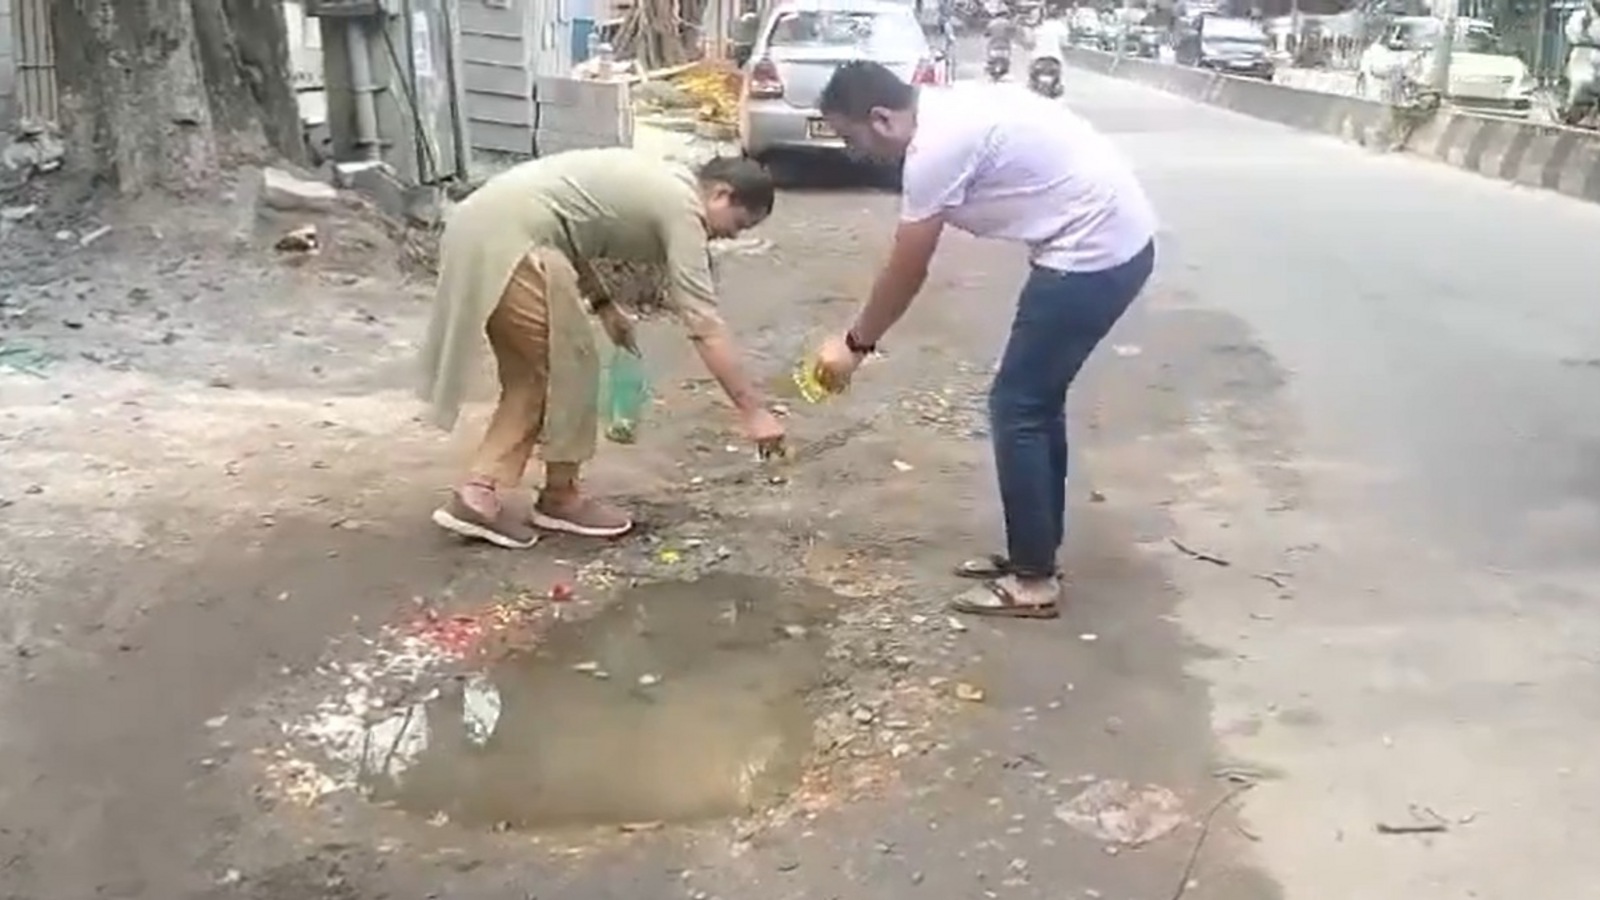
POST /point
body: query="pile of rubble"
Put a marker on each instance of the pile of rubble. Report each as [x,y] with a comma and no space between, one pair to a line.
[714,87]
[704,97]
[34,149]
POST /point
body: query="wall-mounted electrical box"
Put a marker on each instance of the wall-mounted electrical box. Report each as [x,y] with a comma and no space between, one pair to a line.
[330,9]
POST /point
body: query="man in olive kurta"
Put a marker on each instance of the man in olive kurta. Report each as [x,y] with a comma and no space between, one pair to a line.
[515,265]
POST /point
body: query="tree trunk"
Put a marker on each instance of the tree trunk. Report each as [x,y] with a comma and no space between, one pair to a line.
[168,94]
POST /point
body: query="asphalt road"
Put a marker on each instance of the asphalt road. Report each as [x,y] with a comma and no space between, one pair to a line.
[1425,479]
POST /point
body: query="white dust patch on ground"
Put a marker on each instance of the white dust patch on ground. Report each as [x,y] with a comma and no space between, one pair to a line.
[371,722]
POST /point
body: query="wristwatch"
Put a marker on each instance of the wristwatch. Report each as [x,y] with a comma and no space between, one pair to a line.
[856,346]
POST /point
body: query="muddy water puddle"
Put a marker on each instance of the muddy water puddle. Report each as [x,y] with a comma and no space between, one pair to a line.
[679,701]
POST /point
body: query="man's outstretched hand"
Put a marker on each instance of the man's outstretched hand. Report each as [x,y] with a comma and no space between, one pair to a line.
[619,327]
[837,363]
[765,430]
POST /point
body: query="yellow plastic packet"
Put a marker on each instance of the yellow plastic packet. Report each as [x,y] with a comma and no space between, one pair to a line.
[808,379]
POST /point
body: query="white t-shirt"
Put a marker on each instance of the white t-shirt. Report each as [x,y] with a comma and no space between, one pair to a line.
[999,161]
[1049,38]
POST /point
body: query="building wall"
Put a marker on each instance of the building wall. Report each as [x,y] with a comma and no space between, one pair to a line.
[504,45]
[497,71]
[8,66]
[516,58]
[27,62]
[305,63]
[552,35]
[37,90]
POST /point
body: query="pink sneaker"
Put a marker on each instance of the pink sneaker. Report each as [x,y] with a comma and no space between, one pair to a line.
[582,516]
[503,529]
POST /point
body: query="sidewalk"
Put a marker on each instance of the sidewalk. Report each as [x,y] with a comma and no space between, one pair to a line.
[674,138]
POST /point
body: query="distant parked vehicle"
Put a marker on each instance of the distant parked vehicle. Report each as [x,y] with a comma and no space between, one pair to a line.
[797,49]
[1120,37]
[1482,74]
[1085,27]
[1149,41]
[1230,46]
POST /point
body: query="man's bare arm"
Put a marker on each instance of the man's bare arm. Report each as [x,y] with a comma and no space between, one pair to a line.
[900,279]
[691,294]
[724,361]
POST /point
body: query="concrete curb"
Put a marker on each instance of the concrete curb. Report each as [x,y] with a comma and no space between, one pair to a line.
[1552,157]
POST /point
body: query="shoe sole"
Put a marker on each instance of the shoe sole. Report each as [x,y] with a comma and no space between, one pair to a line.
[443,519]
[551,523]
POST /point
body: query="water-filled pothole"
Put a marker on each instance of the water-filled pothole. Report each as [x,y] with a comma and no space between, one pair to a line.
[679,701]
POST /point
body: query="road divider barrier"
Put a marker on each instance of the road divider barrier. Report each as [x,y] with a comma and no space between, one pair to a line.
[1323,81]
[1552,157]
[1565,160]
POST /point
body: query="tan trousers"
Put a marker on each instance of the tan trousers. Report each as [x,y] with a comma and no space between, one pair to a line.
[548,366]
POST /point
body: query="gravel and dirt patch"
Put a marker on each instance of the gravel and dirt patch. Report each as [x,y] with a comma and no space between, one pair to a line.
[215,507]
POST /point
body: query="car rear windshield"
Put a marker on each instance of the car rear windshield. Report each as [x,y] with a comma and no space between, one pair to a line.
[1231,30]
[1470,38]
[842,28]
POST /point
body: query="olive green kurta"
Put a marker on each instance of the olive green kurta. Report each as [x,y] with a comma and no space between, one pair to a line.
[615,203]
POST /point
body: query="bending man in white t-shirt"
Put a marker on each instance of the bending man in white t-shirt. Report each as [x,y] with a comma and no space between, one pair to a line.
[1000,162]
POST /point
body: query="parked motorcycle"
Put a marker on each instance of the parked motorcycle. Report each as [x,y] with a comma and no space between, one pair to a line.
[1150,41]
[1580,106]
[1579,102]
[1407,91]
[1044,77]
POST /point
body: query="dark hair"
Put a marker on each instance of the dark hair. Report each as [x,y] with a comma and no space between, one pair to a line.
[859,87]
[748,181]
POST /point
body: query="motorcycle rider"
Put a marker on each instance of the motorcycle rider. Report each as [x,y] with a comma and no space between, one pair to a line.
[1049,42]
[1053,33]
[999,36]
[1583,62]
[1581,24]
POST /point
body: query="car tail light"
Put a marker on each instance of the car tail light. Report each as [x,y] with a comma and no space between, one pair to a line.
[764,81]
[927,73]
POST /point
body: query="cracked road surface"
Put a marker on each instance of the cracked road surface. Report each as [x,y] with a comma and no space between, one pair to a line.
[1361,381]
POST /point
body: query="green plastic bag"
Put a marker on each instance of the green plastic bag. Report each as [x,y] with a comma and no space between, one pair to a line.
[624,392]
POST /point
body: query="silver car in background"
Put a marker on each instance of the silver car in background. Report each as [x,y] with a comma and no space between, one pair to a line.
[797,49]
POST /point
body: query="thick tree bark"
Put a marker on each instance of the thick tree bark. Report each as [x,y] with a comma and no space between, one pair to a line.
[168,94]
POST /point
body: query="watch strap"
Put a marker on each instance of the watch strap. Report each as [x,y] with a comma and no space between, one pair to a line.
[857,346]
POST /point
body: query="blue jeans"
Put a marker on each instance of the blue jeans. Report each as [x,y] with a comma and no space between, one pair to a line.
[1061,316]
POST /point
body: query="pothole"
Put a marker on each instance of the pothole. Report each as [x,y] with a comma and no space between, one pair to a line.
[679,701]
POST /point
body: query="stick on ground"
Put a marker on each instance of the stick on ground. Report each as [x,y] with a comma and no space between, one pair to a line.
[1197,554]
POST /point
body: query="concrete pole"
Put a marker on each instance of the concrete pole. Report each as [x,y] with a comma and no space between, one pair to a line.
[359,56]
[1122,25]
[723,16]
[1445,48]
[1291,44]
[1538,44]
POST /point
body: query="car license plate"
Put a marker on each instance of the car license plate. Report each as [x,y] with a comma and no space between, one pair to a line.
[819,128]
